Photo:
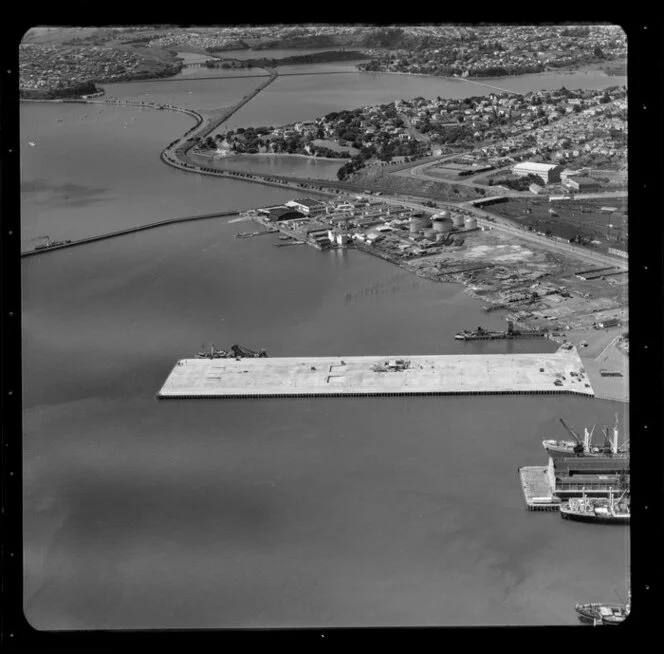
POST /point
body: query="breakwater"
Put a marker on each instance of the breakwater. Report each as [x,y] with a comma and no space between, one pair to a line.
[130,230]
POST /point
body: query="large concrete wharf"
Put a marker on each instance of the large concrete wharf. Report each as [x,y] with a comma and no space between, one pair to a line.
[370,376]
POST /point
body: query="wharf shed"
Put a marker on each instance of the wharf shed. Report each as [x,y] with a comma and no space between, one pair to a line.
[594,476]
[284,213]
[307,206]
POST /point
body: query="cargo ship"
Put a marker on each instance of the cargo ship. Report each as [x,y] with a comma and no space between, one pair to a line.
[578,447]
[597,613]
[597,510]
[480,334]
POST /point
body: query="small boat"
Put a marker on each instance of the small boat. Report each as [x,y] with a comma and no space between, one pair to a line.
[32,143]
[213,354]
[598,510]
[597,613]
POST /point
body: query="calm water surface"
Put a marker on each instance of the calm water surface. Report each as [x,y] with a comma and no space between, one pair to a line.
[140,513]
[275,164]
[289,99]
[112,177]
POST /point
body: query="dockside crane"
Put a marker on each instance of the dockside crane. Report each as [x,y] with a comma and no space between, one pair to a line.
[578,443]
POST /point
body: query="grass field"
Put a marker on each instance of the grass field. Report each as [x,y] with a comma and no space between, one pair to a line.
[574,217]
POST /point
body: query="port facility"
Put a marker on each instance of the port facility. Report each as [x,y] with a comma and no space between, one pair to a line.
[472,374]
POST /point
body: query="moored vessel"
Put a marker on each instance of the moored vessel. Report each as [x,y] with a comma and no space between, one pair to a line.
[481,334]
[585,446]
[597,510]
[599,613]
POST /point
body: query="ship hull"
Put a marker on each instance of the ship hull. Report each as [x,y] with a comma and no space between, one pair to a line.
[597,519]
[562,452]
[591,614]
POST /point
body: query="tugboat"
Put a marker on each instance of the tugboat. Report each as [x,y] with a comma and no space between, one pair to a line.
[212,354]
[596,613]
[579,447]
[599,510]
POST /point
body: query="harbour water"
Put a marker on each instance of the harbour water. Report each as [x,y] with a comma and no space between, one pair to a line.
[140,513]
[112,177]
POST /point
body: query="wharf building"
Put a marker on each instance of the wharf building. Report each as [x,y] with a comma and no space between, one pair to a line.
[550,173]
[279,214]
[594,476]
[307,206]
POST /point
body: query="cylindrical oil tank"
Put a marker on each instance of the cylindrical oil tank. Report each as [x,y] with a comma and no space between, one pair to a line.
[442,225]
[470,223]
[458,220]
[419,221]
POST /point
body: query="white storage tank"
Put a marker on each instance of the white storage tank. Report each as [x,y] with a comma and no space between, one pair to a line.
[458,220]
[442,222]
[470,222]
[419,221]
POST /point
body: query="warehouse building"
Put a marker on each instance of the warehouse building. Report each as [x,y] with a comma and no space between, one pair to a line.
[307,206]
[582,184]
[548,172]
[594,476]
[283,213]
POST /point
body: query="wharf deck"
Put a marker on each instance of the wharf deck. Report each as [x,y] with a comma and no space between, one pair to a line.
[537,490]
[351,376]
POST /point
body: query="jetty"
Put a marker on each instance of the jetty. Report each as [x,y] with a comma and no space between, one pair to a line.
[390,375]
[537,490]
[60,245]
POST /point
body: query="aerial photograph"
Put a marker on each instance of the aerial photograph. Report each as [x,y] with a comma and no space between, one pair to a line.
[324,325]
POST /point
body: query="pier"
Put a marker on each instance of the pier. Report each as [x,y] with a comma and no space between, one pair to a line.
[537,490]
[129,230]
[507,374]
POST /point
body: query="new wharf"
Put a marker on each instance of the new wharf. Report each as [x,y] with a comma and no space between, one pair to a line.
[472,374]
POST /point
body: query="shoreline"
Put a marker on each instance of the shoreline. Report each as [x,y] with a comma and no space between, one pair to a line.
[271,154]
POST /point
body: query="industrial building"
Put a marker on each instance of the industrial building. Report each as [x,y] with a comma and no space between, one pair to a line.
[582,184]
[596,476]
[307,206]
[548,172]
[284,213]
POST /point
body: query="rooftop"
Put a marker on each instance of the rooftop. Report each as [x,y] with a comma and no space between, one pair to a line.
[532,165]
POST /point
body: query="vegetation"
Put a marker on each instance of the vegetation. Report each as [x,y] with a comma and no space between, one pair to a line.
[313,58]
[74,91]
